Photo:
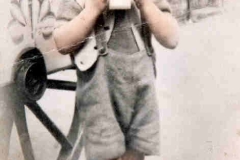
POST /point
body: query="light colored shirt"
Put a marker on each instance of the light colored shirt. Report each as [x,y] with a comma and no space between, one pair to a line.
[88,54]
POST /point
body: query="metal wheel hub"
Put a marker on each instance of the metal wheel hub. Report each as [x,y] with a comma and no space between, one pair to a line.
[31,79]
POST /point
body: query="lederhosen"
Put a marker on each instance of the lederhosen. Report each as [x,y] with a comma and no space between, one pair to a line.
[116,97]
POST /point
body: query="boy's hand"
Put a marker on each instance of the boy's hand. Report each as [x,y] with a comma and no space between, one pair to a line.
[97,5]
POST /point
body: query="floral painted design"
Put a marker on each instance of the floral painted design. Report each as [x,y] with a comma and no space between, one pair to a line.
[33,14]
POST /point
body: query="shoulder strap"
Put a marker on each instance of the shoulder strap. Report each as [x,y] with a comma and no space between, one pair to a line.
[102,37]
[140,30]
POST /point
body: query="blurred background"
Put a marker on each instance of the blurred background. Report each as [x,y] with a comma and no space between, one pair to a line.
[197,84]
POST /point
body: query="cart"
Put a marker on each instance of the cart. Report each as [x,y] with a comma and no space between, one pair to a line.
[33,57]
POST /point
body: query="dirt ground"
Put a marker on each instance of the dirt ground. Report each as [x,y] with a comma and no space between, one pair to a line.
[198,90]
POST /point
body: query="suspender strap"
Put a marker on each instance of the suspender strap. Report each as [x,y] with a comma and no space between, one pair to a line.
[141,31]
[103,30]
[136,29]
[100,35]
[147,39]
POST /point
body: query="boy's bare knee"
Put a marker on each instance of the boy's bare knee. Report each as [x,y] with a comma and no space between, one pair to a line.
[132,155]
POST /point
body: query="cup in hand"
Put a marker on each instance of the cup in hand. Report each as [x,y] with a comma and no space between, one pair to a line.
[120,4]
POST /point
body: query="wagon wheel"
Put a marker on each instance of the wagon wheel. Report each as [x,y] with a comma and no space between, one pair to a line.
[30,84]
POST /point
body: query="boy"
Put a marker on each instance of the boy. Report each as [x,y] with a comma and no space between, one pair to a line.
[115,89]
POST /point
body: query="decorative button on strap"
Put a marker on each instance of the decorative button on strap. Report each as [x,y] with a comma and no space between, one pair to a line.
[102,51]
[106,28]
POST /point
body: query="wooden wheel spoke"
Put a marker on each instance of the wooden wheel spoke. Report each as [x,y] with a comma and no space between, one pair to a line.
[50,126]
[75,126]
[19,114]
[75,135]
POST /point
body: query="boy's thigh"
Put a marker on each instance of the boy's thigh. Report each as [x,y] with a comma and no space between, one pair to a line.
[102,131]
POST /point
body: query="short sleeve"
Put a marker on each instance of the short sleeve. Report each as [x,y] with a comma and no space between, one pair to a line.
[163,5]
[67,10]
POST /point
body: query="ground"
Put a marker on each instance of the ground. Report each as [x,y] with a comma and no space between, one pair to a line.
[198,95]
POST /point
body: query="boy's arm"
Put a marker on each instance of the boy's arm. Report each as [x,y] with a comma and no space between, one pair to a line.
[71,35]
[160,21]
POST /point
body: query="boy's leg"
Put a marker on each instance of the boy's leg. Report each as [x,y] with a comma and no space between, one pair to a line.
[132,155]
[103,136]
[133,94]
[144,132]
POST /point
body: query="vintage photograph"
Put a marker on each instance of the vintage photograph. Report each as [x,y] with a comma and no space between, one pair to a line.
[119,80]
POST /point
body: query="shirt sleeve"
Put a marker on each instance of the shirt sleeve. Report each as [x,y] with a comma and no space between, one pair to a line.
[163,5]
[67,10]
